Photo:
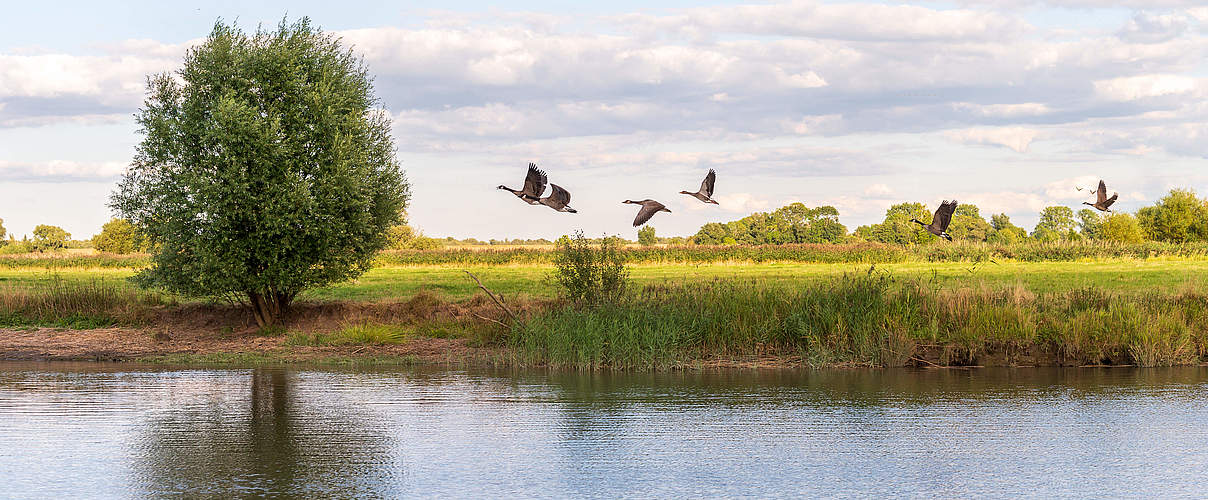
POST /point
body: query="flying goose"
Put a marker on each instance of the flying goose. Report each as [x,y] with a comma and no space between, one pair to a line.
[705,193]
[939,223]
[558,199]
[649,208]
[1101,199]
[534,185]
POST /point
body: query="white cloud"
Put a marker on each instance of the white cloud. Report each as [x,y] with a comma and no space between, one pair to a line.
[1015,138]
[877,190]
[804,18]
[1004,110]
[1140,87]
[743,203]
[1068,189]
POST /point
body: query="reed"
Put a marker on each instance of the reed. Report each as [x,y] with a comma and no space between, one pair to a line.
[869,319]
[77,304]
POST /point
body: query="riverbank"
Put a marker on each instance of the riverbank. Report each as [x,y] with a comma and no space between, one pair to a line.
[1145,312]
[868,319]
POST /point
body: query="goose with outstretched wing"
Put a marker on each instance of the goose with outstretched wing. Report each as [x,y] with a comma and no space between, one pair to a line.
[1102,202]
[649,208]
[558,199]
[705,193]
[534,185]
[939,222]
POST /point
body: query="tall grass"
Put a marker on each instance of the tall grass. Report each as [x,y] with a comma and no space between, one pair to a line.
[77,304]
[868,319]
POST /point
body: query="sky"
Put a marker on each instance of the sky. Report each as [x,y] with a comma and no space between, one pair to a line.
[1005,104]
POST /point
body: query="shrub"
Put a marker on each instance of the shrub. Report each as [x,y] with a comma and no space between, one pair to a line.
[119,236]
[646,236]
[589,273]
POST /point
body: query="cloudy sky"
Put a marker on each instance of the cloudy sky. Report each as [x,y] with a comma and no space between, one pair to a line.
[1008,105]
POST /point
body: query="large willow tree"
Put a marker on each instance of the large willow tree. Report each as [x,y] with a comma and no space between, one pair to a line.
[266,169]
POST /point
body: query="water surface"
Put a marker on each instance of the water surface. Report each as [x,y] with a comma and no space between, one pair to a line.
[97,430]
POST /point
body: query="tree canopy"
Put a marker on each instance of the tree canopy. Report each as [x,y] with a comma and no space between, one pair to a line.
[793,223]
[1179,217]
[1056,223]
[119,236]
[266,168]
[49,238]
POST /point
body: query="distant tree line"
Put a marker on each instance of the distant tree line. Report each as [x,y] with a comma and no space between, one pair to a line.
[793,223]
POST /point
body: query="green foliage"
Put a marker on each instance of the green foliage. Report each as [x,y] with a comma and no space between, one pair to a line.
[1178,217]
[119,236]
[403,237]
[265,169]
[15,246]
[1056,223]
[897,228]
[1090,224]
[646,236]
[2,233]
[49,238]
[1122,228]
[793,223]
[864,319]
[590,274]
[1004,232]
[968,224]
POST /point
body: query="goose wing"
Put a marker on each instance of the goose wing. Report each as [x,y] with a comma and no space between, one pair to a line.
[1108,202]
[943,215]
[534,182]
[559,198]
[648,210]
[706,186]
[1101,193]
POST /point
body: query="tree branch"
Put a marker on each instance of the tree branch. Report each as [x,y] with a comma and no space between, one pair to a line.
[498,300]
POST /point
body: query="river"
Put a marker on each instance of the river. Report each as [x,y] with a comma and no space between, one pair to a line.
[118,431]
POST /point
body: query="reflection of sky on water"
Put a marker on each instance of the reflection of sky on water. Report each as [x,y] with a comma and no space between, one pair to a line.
[115,431]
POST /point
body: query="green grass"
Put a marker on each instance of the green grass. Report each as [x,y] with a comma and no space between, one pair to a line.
[870,319]
[1127,276]
[1122,275]
[363,334]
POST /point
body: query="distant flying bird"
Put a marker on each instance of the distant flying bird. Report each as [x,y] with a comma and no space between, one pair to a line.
[558,199]
[705,193]
[939,223]
[1101,199]
[534,185]
[649,208]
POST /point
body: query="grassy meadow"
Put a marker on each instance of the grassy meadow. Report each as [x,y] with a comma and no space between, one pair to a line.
[863,304]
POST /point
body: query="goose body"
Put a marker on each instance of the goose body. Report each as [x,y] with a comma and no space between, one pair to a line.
[558,199]
[1102,202]
[534,185]
[939,223]
[705,193]
[649,208]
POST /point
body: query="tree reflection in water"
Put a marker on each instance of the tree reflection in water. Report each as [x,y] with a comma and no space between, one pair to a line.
[277,437]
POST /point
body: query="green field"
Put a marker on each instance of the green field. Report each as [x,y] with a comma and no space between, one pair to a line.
[1124,276]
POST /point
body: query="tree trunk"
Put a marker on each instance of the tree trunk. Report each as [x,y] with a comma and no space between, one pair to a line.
[268,308]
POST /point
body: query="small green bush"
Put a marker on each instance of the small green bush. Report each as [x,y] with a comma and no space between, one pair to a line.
[588,273]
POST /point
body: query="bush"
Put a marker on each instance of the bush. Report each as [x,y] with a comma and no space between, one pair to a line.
[119,236]
[646,236]
[590,274]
